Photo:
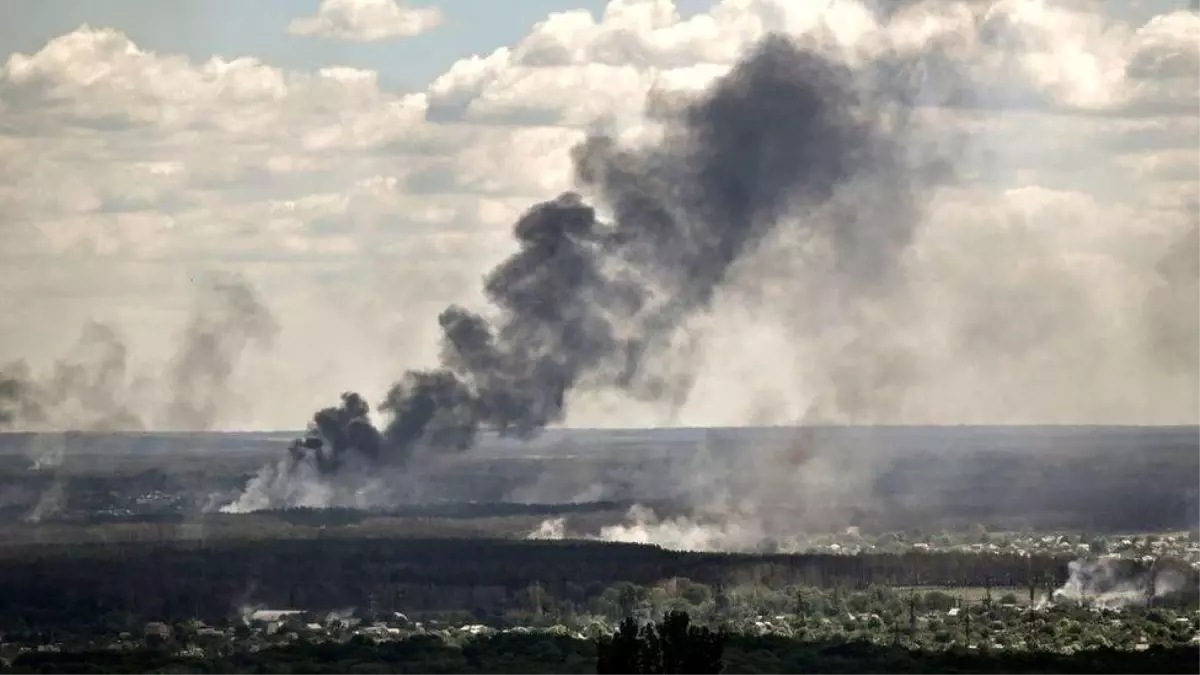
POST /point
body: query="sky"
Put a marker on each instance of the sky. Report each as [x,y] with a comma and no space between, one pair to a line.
[360,163]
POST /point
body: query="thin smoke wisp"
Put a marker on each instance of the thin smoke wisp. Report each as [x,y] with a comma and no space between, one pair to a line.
[96,387]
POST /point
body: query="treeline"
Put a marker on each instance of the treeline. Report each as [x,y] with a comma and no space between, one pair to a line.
[54,586]
[341,515]
[541,653]
[333,516]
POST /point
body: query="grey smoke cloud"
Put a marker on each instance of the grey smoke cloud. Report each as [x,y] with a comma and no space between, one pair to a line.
[589,303]
[87,386]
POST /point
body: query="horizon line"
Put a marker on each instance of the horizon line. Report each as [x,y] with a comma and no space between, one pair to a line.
[780,427]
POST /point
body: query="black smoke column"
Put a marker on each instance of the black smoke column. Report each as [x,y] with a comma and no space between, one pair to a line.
[586,303]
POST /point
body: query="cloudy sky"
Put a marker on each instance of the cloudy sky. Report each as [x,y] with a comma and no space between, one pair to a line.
[360,163]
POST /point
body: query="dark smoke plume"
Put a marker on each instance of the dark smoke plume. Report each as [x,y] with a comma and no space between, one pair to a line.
[228,320]
[592,303]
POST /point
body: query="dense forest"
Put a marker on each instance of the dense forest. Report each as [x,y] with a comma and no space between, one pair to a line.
[56,586]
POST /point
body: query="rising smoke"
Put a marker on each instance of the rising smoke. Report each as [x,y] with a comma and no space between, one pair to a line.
[87,386]
[94,387]
[589,303]
[1115,583]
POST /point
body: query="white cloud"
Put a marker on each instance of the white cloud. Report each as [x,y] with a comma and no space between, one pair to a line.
[1166,47]
[1013,53]
[367,20]
[361,210]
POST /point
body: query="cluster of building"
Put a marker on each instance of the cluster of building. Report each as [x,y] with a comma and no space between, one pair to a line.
[266,628]
[263,629]
[1181,546]
[946,627]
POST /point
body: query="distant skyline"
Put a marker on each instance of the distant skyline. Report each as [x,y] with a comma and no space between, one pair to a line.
[361,162]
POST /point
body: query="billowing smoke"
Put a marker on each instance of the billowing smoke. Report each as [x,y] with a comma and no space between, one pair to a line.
[552,529]
[1116,583]
[690,533]
[94,387]
[680,533]
[776,144]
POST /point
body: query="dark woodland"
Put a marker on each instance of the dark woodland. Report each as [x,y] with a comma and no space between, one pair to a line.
[57,586]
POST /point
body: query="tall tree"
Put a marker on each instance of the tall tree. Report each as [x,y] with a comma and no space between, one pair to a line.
[672,646]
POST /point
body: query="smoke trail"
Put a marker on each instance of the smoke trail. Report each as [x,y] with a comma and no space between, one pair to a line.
[229,319]
[776,143]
